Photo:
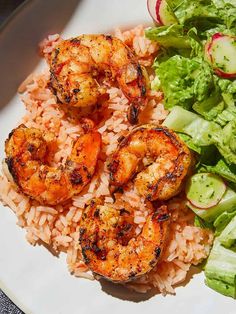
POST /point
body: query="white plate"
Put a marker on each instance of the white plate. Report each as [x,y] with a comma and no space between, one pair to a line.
[34,279]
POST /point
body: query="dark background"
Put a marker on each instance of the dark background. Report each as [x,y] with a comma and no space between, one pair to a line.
[6,8]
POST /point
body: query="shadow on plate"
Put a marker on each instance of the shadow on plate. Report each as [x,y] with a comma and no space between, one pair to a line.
[49,248]
[20,37]
[120,292]
[194,270]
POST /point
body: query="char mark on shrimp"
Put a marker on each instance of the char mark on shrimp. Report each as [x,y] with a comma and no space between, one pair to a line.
[111,246]
[27,152]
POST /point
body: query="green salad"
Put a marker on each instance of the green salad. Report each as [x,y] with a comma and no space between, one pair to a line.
[196,71]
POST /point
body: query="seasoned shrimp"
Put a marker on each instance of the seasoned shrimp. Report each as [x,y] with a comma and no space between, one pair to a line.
[77,65]
[27,151]
[159,157]
[112,248]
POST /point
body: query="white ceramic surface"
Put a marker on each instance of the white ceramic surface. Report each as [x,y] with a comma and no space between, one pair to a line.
[34,279]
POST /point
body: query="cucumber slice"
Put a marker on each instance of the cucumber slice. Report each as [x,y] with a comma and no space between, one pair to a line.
[161,12]
[227,203]
[221,52]
[205,190]
[164,13]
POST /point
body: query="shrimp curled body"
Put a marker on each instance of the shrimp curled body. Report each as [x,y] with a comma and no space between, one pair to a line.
[112,248]
[159,158]
[27,151]
[79,64]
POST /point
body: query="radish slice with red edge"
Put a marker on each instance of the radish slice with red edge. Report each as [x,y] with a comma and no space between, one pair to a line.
[161,12]
[205,190]
[220,51]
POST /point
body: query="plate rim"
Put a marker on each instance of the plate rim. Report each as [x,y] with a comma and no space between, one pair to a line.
[11,296]
[13,15]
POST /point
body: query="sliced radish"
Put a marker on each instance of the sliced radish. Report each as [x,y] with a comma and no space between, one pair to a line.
[161,12]
[226,204]
[205,190]
[151,4]
[220,51]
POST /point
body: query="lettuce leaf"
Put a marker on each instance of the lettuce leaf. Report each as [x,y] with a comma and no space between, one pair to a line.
[189,142]
[198,222]
[221,168]
[205,15]
[184,42]
[209,108]
[202,14]
[169,36]
[205,133]
[200,130]
[184,81]
[220,269]
[227,237]
[227,86]
[222,221]
[229,112]
[226,142]
[177,80]
[227,11]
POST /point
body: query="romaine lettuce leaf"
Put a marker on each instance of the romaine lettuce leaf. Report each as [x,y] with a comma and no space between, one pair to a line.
[227,237]
[184,80]
[169,36]
[205,133]
[219,107]
[226,86]
[226,142]
[205,15]
[220,269]
[226,116]
[198,222]
[203,83]
[227,11]
[223,169]
[222,221]
[209,108]
[177,79]
[208,156]
[189,142]
[202,14]
[229,113]
[184,121]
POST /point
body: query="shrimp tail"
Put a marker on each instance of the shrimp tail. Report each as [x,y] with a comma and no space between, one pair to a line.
[133,113]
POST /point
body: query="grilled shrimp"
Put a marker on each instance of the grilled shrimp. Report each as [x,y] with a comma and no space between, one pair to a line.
[77,65]
[158,157]
[27,151]
[112,248]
